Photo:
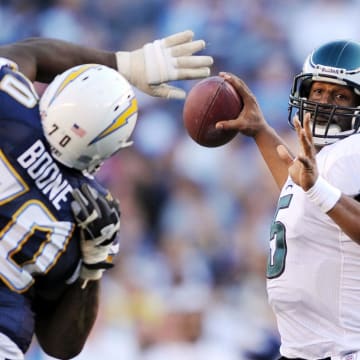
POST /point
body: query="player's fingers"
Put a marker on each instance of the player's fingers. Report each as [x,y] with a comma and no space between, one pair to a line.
[187,48]
[78,197]
[168,92]
[91,195]
[80,205]
[297,126]
[304,142]
[178,38]
[196,73]
[189,62]
[78,211]
[309,148]
[306,162]
[305,137]
[239,85]
[307,127]
[89,192]
[232,124]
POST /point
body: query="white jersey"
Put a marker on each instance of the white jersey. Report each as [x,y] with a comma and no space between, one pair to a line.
[314,268]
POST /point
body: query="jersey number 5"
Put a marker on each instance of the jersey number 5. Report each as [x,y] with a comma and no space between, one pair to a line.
[277,255]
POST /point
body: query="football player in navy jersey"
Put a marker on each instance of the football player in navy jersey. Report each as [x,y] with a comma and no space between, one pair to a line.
[313,267]
[58,224]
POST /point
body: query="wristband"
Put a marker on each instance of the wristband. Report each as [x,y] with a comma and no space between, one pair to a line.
[323,194]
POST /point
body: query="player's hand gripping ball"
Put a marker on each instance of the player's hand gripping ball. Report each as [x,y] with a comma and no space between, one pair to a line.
[209,101]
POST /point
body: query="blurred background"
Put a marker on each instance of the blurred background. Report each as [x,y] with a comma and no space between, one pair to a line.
[190,279]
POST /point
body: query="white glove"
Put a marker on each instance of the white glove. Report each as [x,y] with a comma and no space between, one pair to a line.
[170,58]
[99,220]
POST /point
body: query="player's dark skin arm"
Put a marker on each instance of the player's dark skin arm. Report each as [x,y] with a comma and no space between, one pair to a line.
[63,329]
[42,59]
[251,122]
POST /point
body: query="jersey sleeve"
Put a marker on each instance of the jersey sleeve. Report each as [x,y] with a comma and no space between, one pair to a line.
[340,165]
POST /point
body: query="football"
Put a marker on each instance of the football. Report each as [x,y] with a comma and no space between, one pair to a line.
[209,101]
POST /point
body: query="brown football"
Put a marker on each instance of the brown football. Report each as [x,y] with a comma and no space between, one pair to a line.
[209,101]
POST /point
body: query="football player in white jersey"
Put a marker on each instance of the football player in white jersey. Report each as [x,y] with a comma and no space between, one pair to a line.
[313,268]
[58,225]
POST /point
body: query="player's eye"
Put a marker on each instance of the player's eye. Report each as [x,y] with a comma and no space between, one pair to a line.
[316,93]
[341,97]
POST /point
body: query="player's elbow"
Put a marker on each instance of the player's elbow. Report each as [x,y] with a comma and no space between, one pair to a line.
[60,346]
[63,351]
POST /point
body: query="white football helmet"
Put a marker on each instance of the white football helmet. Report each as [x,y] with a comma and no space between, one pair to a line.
[335,62]
[88,113]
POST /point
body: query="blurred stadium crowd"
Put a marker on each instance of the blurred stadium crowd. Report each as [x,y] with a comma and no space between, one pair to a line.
[189,282]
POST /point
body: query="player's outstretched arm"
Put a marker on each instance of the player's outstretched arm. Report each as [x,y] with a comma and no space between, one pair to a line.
[41,59]
[149,68]
[251,122]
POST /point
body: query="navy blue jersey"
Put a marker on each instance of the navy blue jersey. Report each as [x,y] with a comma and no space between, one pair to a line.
[39,244]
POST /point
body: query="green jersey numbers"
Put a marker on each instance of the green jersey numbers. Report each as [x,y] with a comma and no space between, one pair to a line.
[277,255]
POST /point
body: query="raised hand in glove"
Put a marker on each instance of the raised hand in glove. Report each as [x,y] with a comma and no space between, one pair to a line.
[98,217]
[170,58]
